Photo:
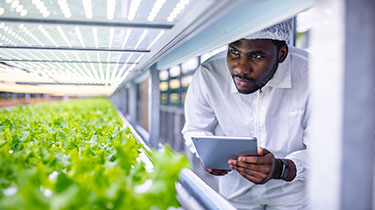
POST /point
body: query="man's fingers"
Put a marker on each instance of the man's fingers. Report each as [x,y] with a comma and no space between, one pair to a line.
[262,151]
[219,172]
[266,159]
[215,171]
[254,176]
[264,168]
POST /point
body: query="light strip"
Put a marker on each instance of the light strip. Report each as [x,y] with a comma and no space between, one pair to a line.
[120,55]
[128,31]
[179,7]
[65,8]
[66,56]
[133,9]
[45,33]
[108,69]
[31,35]
[93,70]
[21,55]
[114,72]
[111,34]
[123,77]
[111,6]
[91,76]
[9,55]
[155,9]
[54,55]
[19,8]
[81,72]
[100,68]
[141,39]
[135,63]
[79,36]
[124,66]
[59,29]
[8,40]
[77,73]
[95,32]
[87,5]
[47,58]
[41,7]
[161,33]
[32,55]
[75,53]
[13,34]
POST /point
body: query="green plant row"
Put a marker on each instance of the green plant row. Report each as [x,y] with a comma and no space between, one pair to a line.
[76,155]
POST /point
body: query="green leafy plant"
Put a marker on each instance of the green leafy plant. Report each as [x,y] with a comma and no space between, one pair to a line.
[77,155]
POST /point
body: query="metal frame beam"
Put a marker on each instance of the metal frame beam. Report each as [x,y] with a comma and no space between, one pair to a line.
[87,23]
[64,61]
[154,107]
[75,49]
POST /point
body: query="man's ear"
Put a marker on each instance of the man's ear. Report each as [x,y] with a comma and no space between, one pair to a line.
[283,53]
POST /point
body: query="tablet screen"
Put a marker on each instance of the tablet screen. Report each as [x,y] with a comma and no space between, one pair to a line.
[215,151]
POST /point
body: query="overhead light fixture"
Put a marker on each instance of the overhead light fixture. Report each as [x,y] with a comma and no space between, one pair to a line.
[128,31]
[93,70]
[133,9]
[19,8]
[2,10]
[41,7]
[135,62]
[100,68]
[111,34]
[179,7]
[15,4]
[23,13]
[161,33]
[31,35]
[67,58]
[79,36]
[141,38]
[123,67]
[108,69]
[95,32]
[155,9]
[111,6]
[65,8]
[87,5]
[45,33]
[59,29]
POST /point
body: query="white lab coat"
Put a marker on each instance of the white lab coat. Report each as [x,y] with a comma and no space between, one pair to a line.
[278,116]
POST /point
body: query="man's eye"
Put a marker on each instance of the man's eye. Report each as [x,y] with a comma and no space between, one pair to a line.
[234,52]
[257,56]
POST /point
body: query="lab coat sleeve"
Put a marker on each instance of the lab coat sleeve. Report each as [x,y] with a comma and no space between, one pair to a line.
[200,118]
[301,157]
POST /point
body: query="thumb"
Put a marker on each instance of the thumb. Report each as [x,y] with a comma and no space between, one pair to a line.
[262,151]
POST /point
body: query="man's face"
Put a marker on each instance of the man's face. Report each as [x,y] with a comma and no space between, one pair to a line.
[252,63]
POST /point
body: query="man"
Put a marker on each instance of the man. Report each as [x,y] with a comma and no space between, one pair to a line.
[258,88]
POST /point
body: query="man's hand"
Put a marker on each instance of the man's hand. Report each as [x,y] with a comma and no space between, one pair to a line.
[259,169]
[215,171]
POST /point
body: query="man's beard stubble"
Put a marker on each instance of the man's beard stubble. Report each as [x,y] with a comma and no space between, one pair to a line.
[259,83]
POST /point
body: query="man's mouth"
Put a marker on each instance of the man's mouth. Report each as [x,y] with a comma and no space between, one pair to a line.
[242,81]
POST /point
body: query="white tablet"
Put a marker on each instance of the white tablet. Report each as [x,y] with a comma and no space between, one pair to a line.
[215,151]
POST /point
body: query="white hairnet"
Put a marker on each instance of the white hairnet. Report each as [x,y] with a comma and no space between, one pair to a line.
[280,31]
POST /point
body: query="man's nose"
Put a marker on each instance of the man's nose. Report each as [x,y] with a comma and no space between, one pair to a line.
[243,67]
